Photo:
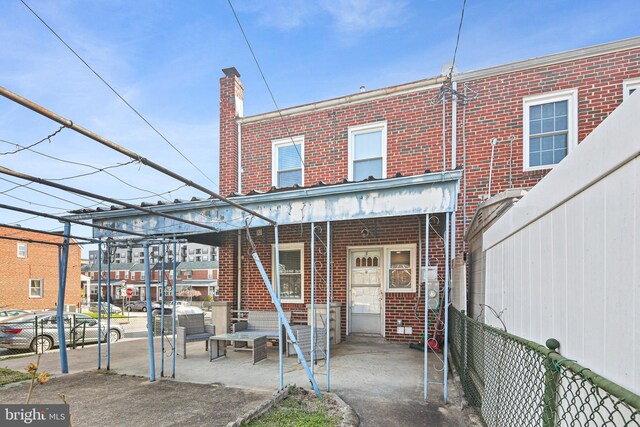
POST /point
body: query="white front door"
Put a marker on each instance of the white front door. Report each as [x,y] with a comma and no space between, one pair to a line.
[366,292]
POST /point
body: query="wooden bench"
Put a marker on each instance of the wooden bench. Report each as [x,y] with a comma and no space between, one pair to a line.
[192,328]
[265,322]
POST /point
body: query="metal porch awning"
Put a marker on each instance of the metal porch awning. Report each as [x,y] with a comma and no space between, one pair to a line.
[430,193]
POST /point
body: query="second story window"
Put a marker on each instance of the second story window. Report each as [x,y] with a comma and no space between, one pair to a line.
[22,250]
[368,151]
[288,167]
[550,128]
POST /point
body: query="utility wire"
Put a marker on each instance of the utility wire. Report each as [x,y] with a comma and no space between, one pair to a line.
[21,148]
[455,51]
[153,194]
[264,79]
[26,185]
[118,94]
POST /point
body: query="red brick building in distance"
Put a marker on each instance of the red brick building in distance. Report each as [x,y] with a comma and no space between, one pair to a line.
[29,271]
[502,127]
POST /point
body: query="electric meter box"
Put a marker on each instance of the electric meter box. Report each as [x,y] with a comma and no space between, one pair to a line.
[433,286]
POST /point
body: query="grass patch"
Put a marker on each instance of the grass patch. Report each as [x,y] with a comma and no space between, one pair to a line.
[104,316]
[301,409]
[8,376]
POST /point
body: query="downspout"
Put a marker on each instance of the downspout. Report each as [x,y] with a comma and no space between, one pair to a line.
[454,142]
[239,158]
[239,271]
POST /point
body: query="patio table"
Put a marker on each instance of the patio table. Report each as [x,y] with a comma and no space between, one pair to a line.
[240,340]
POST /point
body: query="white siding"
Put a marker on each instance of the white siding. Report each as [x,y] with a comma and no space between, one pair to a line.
[564,262]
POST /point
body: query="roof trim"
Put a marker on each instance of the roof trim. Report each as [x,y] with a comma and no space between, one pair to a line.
[434,82]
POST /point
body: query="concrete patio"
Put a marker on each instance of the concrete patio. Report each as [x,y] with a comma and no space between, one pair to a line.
[382,382]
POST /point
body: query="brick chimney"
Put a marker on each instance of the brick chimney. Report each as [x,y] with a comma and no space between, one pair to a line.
[231,103]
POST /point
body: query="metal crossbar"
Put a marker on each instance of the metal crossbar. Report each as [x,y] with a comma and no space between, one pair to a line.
[517,382]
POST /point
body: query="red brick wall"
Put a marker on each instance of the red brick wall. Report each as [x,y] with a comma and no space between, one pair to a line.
[414,143]
[344,234]
[41,263]
[414,132]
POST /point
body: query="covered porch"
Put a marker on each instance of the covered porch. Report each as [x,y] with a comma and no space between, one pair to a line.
[363,248]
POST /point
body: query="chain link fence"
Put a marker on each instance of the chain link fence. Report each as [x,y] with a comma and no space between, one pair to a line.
[516,382]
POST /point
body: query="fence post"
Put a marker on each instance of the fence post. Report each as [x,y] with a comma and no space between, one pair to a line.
[551,378]
[463,355]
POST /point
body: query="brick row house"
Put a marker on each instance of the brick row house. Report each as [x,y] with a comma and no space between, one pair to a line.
[373,177]
[504,127]
[196,268]
[29,271]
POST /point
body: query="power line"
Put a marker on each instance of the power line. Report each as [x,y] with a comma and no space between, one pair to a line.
[122,150]
[46,138]
[117,94]
[455,51]
[153,194]
[264,79]
[17,185]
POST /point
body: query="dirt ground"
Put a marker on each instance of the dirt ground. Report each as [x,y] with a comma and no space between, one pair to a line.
[100,399]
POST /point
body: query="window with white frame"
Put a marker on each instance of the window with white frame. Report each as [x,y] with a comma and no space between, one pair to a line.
[401,268]
[126,274]
[630,86]
[22,250]
[291,271]
[36,288]
[368,151]
[209,274]
[550,128]
[287,163]
[117,275]
[142,275]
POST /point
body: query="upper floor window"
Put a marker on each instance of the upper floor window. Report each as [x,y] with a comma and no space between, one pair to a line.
[288,167]
[22,250]
[550,128]
[368,151]
[629,86]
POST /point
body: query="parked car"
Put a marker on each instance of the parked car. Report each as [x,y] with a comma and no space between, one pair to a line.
[180,309]
[93,307]
[137,306]
[5,314]
[38,332]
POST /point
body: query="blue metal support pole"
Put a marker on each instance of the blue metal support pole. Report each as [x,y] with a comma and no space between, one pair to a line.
[173,312]
[147,284]
[63,257]
[280,343]
[328,325]
[426,306]
[108,307]
[276,302]
[99,303]
[447,254]
[162,313]
[313,298]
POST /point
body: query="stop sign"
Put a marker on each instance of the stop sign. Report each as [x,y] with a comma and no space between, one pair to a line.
[129,292]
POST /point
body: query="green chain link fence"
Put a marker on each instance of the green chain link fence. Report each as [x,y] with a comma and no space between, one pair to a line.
[516,382]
